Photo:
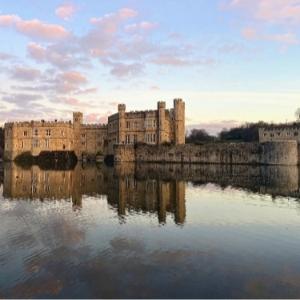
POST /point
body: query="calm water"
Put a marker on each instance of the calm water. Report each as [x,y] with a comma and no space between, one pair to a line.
[150,231]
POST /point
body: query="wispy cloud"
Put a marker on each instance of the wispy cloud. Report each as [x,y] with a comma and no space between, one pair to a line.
[66,11]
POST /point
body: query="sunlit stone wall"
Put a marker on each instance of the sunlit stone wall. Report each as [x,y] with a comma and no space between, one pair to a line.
[270,153]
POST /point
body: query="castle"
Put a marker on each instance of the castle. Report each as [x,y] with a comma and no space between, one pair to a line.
[279,133]
[153,127]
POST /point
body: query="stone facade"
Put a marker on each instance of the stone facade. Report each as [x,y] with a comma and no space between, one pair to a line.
[153,127]
[88,140]
[268,153]
[280,133]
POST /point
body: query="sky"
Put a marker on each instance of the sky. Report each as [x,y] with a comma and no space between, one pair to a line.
[231,61]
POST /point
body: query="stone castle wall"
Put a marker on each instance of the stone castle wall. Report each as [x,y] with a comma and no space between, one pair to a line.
[271,153]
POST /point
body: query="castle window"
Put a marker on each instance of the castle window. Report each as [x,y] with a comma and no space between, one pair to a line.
[135,124]
[62,133]
[288,133]
[22,144]
[35,132]
[295,133]
[83,144]
[278,133]
[99,135]
[127,139]
[47,143]
[35,143]
[271,134]
[47,188]
[149,123]
[7,132]
[48,132]
[83,135]
[99,144]
[150,138]
[135,138]
[76,119]
[265,134]
[25,133]
[127,124]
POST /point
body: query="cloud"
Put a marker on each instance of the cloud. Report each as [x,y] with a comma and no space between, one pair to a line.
[97,118]
[63,54]
[268,20]
[125,70]
[154,88]
[6,56]
[24,73]
[252,34]
[142,27]
[169,61]
[36,51]
[66,87]
[21,99]
[66,11]
[73,77]
[65,100]
[34,28]
[87,91]
[8,20]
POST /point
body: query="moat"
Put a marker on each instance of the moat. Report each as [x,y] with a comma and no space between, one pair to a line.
[150,231]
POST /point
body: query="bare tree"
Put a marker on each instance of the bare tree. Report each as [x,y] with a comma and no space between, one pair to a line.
[297,114]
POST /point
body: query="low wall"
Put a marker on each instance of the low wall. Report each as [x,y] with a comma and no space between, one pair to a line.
[268,153]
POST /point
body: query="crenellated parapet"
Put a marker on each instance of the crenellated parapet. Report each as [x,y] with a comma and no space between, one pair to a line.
[94,126]
[141,114]
[161,104]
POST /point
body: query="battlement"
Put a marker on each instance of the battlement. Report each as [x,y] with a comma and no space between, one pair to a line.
[178,100]
[161,104]
[94,126]
[141,114]
[41,123]
[121,107]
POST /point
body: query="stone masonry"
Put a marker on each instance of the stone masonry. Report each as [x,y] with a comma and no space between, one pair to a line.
[153,127]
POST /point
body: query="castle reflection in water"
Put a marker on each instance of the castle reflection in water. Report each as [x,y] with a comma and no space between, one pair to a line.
[153,188]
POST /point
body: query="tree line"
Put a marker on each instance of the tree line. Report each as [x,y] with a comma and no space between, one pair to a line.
[1,141]
[247,132]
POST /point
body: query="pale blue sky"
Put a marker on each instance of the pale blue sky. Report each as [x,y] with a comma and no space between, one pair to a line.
[231,61]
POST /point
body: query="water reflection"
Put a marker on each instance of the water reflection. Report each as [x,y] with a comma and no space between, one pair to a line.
[93,232]
[124,190]
[147,187]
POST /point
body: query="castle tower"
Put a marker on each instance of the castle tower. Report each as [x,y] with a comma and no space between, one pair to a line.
[122,123]
[77,118]
[180,209]
[161,109]
[179,121]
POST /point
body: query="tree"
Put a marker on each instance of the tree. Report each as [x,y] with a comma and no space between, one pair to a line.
[198,135]
[297,114]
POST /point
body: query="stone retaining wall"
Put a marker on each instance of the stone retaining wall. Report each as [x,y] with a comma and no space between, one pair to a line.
[268,153]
